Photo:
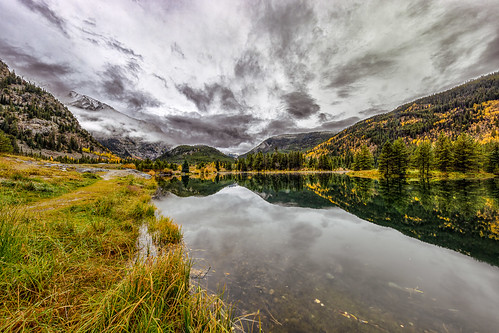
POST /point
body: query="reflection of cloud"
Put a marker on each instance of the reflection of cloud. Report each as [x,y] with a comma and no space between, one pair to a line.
[303,235]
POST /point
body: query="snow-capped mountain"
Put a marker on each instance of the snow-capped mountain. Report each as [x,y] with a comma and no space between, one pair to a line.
[121,133]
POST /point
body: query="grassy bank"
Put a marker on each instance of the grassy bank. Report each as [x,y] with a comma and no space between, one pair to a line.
[68,245]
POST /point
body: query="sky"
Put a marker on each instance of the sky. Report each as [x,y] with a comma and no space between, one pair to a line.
[230,73]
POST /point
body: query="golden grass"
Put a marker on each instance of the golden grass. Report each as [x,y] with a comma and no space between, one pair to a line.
[66,254]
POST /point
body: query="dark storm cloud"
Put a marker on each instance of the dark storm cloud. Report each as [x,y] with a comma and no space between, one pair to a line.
[204,98]
[217,130]
[248,65]
[358,68]
[44,10]
[323,117]
[117,85]
[300,104]
[284,21]
[279,126]
[290,26]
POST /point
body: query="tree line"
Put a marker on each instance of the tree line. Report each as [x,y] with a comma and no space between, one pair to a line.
[464,155]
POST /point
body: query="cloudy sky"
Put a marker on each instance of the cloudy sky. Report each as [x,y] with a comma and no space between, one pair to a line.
[230,73]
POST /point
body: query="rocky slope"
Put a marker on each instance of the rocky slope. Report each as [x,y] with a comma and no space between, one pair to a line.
[37,122]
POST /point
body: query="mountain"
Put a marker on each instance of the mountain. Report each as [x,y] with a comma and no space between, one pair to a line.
[194,155]
[37,122]
[471,108]
[291,142]
[122,134]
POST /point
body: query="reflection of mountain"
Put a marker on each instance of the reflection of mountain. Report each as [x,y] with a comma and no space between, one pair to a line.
[459,215]
[187,187]
[454,214]
[283,190]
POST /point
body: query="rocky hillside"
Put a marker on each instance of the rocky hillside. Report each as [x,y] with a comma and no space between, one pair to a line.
[194,155]
[291,142]
[37,122]
[123,135]
[471,108]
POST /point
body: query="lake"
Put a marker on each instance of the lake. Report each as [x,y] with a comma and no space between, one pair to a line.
[332,253]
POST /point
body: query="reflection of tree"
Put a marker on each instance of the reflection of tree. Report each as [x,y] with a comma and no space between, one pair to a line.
[454,214]
[185,181]
[461,215]
[364,187]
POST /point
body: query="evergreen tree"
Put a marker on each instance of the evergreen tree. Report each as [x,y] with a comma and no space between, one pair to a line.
[324,163]
[423,158]
[385,160]
[493,159]
[258,162]
[443,153]
[363,159]
[185,167]
[466,155]
[5,143]
[400,158]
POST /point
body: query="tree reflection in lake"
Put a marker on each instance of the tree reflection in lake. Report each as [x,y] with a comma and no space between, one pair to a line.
[461,215]
[299,249]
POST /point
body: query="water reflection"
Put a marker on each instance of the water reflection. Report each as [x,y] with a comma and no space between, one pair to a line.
[281,245]
[461,215]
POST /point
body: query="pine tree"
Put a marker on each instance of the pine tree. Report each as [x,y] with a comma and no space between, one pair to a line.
[423,157]
[443,153]
[400,158]
[385,160]
[466,155]
[5,143]
[363,159]
[493,159]
[258,162]
[185,167]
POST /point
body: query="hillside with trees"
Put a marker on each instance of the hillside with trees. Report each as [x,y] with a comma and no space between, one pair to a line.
[287,143]
[35,122]
[194,155]
[471,108]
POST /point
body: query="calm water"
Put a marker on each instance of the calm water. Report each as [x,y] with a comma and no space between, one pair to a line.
[330,253]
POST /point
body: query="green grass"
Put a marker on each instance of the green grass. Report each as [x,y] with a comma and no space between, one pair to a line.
[67,258]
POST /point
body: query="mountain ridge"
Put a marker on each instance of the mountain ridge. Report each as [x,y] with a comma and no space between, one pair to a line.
[38,123]
[291,142]
[472,108]
[194,154]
